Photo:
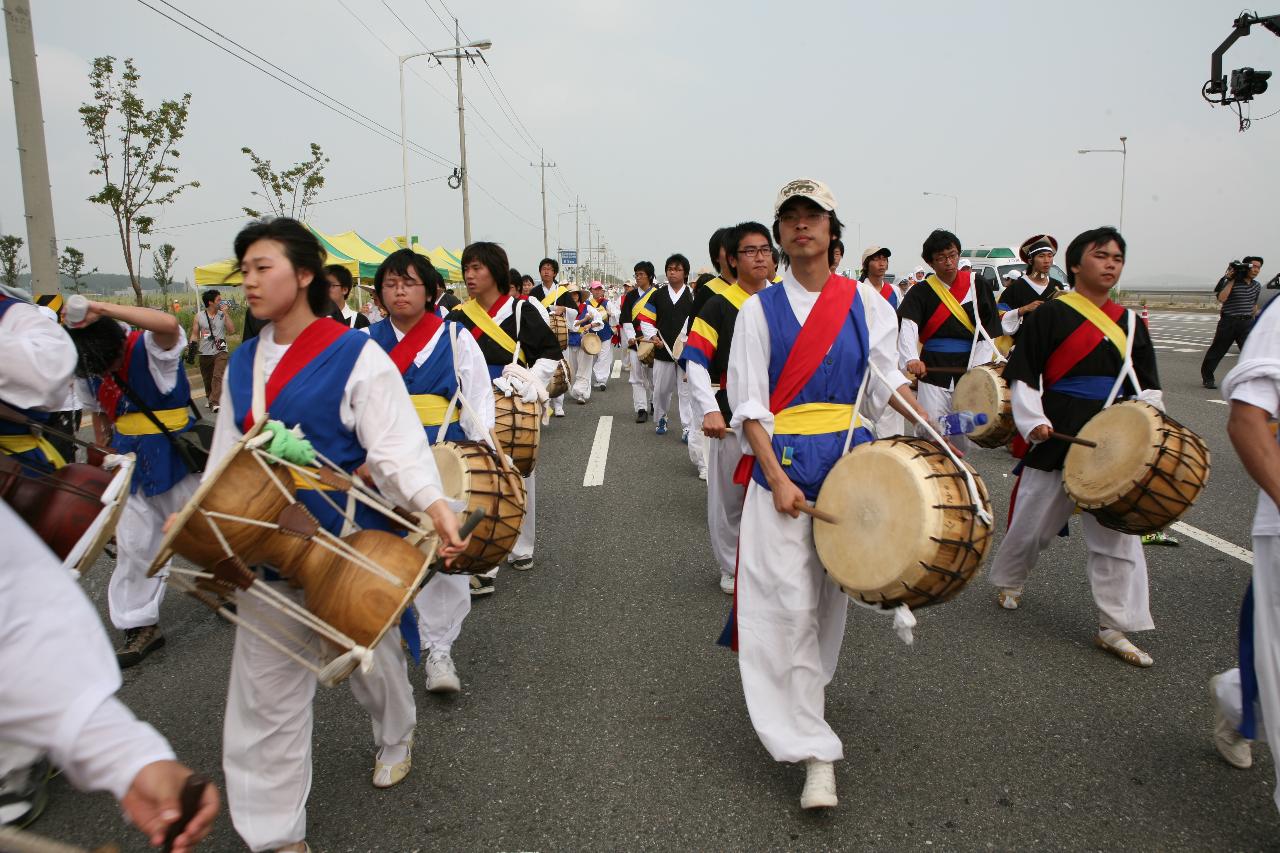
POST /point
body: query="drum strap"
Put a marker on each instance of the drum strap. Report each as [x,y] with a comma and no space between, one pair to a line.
[1087,335]
[550,298]
[950,306]
[485,324]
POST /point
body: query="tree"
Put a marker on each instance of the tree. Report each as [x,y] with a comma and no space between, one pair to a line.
[71,264]
[143,144]
[162,261]
[291,192]
[11,266]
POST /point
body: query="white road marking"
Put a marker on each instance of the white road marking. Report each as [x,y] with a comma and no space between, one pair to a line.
[599,453]
[1184,349]
[1222,402]
[617,369]
[1213,542]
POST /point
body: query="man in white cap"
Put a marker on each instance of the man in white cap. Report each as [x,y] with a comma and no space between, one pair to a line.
[608,311]
[799,357]
[875,263]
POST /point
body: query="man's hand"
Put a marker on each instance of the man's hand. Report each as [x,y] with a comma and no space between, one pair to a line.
[916,367]
[1039,434]
[1029,307]
[445,521]
[713,425]
[152,804]
[786,497]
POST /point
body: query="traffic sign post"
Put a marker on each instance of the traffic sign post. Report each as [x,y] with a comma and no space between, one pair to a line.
[568,258]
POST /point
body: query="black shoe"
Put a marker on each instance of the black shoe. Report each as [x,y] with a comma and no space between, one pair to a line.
[642,416]
[481,585]
[24,793]
[138,643]
[1209,383]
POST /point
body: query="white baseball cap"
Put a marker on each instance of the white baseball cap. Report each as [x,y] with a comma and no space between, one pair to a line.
[814,190]
[1013,274]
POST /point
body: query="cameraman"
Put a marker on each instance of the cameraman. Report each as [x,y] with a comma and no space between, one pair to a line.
[1238,291]
[209,330]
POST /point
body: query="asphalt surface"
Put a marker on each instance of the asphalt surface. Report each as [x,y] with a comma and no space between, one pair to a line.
[597,712]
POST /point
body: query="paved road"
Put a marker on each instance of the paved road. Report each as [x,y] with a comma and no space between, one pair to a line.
[598,714]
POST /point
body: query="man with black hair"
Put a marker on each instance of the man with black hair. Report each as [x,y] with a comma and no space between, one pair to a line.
[1029,291]
[1070,352]
[716,284]
[875,263]
[210,328]
[135,385]
[637,300]
[665,322]
[837,255]
[1238,293]
[553,298]
[706,362]
[340,285]
[942,317]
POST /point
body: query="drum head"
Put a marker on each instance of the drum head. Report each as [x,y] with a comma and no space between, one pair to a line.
[454,475]
[884,504]
[1128,437]
[980,390]
[591,344]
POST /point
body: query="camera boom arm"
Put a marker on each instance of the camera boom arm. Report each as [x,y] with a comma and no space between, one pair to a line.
[1217,84]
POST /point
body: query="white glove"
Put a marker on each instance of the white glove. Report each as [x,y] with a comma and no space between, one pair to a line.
[504,386]
[1152,396]
[524,383]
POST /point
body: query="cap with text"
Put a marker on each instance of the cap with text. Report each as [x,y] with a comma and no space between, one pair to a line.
[816,191]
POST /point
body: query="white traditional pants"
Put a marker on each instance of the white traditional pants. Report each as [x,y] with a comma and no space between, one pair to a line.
[1266,645]
[790,625]
[582,362]
[937,402]
[266,737]
[1116,567]
[724,501]
[442,606]
[641,381]
[667,378]
[524,544]
[133,599]
[604,364]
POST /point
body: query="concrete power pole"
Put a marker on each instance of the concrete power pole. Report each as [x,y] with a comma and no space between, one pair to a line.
[543,165]
[42,241]
[577,238]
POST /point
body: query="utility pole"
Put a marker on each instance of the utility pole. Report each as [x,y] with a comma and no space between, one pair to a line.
[462,143]
[42,241]
[543,165]
[577,239]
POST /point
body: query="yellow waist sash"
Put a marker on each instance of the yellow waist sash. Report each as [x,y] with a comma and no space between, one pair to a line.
[814,419]
[136,423]
[23,443]
[431,409]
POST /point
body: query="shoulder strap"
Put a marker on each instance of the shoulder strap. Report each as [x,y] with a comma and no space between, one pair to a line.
[950,305]
[816,337]
[480,317]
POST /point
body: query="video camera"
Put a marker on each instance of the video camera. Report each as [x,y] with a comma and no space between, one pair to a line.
[1239,270]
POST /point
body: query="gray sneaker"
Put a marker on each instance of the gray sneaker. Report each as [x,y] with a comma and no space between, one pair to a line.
[442,675]
[1235,748]
[138,643]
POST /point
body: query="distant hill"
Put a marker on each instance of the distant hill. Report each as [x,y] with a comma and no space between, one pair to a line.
[106,283]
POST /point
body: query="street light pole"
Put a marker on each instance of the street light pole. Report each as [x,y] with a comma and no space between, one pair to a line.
[1123,151]
[955,213]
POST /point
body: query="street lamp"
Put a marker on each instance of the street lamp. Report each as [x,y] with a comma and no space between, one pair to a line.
[1123,151]
[457,52]
[955,213]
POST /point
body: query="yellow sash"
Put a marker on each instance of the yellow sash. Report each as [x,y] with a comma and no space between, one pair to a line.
[1097,317]
[944,293]
[12,444]
[736,295]
[484,322]
[550,298]
[136,423]
[431,409]
[813,419]
[644,300]
[718,285]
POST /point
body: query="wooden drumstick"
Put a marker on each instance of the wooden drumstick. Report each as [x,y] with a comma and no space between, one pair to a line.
[1071,439]
[948,371]
[192,793]
[817,513]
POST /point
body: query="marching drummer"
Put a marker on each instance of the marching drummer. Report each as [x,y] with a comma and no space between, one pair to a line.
[344,393]
[799,356]
[1029,291]
[608,311]
[1070,352]
[584,320]
[137,388]
[554,298]
[521,352]
[664,321]
[635,303]
[438,361]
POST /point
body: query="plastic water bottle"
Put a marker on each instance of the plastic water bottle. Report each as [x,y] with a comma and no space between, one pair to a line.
[955,423]
[77,308]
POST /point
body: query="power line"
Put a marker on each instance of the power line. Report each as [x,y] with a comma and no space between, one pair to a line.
[328,101]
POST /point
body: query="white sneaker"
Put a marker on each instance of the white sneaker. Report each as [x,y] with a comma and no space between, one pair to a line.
[727,584]
[442,675]
[702,474]
[1234,747]
[819,785]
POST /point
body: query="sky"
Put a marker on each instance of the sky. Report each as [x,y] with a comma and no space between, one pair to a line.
[670,119]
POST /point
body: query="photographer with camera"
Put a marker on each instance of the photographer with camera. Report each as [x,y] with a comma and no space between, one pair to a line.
[209,330]
[1238,291]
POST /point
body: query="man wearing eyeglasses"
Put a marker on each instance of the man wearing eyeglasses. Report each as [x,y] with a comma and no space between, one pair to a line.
[938,337]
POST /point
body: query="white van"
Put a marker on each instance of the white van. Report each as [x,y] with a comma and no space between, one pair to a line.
[990,263]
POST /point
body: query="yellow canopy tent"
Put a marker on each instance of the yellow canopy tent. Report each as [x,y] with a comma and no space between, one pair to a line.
[447,263]
[226,273]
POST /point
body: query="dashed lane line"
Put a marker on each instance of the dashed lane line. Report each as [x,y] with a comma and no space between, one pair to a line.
[617,369]
[599,453]
[1214,542]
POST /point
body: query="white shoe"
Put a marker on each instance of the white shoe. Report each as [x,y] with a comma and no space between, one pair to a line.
[1234,747]
[702,474]
[389,773]
[727,584]
[442,675]
[819,785]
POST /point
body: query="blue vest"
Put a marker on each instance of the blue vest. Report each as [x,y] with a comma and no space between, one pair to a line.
[606,334]
[159,467]
[575,336]
[312,401]
[434,376]
[808,458]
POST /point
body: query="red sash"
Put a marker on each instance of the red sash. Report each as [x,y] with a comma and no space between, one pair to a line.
[816,336]
[414,340]
[477,332]
[313,340]
[109,392]
[1077,345]
[958,289]
[886,290]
